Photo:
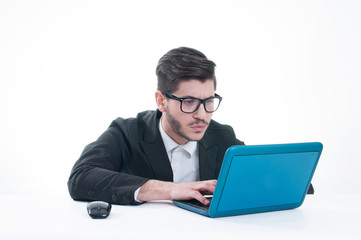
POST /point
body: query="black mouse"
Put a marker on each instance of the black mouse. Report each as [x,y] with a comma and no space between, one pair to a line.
[99,209]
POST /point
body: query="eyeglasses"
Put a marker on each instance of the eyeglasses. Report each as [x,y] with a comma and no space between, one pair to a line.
[191,104]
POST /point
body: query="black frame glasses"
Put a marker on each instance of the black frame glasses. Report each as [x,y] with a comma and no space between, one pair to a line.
[194,103]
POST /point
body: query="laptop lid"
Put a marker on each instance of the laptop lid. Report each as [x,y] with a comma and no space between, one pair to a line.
[262,178]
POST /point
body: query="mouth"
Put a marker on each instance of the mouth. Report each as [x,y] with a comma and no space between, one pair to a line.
[199,126]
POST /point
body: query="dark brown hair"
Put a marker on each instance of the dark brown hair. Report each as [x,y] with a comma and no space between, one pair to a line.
[183,64]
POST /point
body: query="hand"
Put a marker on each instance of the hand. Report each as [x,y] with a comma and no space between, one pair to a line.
[193,190]
[159,190]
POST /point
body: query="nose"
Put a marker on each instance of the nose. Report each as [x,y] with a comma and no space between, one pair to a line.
[200,113]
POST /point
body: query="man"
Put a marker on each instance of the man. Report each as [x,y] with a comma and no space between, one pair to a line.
[173,153]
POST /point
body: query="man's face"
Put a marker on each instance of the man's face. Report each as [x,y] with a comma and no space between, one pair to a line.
[183,127]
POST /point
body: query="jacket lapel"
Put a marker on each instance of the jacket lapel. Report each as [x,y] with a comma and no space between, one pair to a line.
[158,160]
[156,154]
[207,158]
[154,149]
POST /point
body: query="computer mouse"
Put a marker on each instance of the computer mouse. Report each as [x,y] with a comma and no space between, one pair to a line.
[99,209]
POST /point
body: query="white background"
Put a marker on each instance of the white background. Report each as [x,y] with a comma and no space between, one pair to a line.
[289,71]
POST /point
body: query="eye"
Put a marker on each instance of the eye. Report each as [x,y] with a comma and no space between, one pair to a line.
[189,101]
[210,101]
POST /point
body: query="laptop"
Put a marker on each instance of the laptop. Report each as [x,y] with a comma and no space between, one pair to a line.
[260,178]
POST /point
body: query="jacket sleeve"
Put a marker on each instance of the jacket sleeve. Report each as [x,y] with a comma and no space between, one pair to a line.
[96,175]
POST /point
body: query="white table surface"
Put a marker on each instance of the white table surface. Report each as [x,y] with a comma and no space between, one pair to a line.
[40,217]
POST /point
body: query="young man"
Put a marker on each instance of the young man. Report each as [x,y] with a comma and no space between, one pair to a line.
[173,153]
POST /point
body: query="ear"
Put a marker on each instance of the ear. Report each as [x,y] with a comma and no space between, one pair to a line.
[160,99]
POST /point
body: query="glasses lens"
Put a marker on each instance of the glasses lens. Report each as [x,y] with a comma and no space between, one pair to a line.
[189,105]
[212,104]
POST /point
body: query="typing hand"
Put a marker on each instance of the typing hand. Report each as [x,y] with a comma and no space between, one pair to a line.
[159,190]
[193,190]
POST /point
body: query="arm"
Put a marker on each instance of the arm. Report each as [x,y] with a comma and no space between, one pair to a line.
[97,175]
[160,190]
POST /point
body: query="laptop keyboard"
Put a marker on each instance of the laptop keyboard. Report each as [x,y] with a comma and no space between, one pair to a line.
[197,204]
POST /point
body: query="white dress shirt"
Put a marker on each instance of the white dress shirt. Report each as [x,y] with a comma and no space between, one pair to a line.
[184,159]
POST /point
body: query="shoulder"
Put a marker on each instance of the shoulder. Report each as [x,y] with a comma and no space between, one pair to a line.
[218,128]
[143,126]
[214,125]
[141,119]
[218,134]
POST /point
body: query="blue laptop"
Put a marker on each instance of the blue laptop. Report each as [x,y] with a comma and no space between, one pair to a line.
[261,178]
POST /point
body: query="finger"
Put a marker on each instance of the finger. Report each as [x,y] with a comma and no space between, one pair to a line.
[198,196]
[212,182]
[208,187]
[207,193]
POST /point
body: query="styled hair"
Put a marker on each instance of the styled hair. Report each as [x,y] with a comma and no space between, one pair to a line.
[182,64]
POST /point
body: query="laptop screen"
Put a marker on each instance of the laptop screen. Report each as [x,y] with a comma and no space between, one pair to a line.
[265,180]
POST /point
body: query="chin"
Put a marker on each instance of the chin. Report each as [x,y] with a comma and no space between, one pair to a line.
[197,136]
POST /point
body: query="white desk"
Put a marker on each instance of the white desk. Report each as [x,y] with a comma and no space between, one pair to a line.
[320,217]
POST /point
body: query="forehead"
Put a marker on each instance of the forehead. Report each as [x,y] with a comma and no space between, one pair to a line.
[195,88]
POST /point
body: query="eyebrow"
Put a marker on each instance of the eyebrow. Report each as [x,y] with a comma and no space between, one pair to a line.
[196,97]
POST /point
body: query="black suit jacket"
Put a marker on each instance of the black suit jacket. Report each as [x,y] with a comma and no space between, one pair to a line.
[131,151]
